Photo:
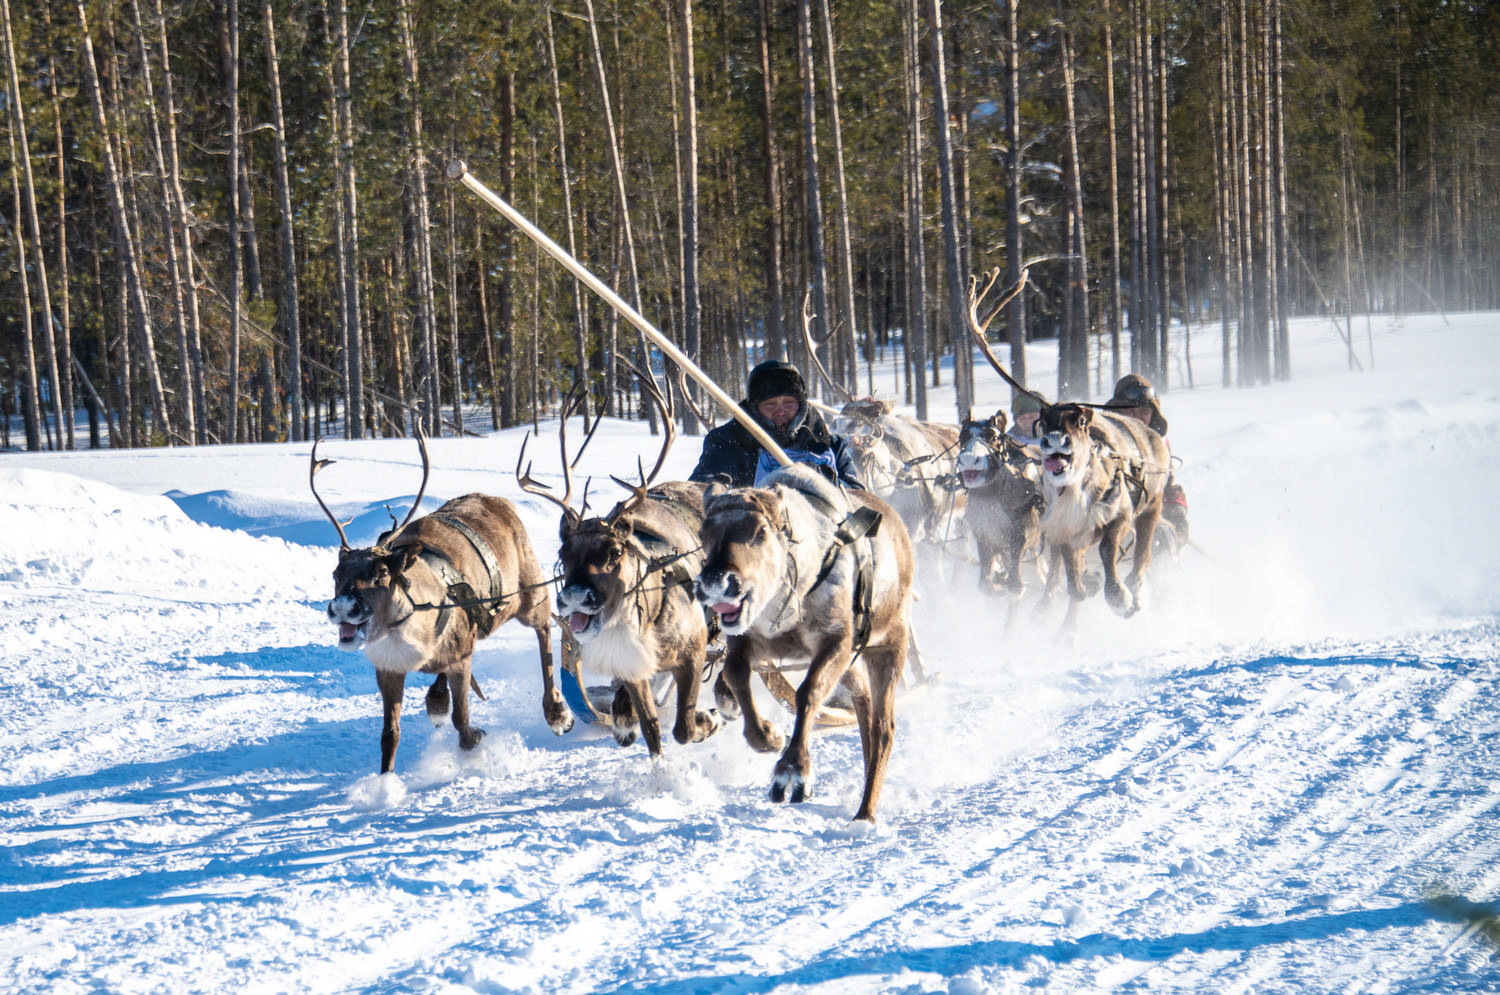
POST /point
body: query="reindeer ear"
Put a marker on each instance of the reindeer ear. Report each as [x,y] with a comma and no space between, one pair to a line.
[719,485]
[1000,422]
[1085,417]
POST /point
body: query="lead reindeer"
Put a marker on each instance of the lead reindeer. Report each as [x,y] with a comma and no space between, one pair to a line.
[422,596]
[799,570]
[626,594]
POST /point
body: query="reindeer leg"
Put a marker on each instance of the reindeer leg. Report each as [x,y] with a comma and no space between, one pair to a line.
[1120,598]
[624,723]
[438,700]
[559,717]
[693,725]
[883,665]
[392,684]
[792,780]
[468,737]
[759,733]
[650,720]
[1145,525]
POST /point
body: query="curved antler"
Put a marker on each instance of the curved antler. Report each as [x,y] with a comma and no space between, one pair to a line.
[812,351]
[426,472]
[312,473]
[682,391]
[541,490]
[977,325]
[669,431]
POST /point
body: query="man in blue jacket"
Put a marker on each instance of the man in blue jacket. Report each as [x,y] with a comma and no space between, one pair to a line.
[776,397]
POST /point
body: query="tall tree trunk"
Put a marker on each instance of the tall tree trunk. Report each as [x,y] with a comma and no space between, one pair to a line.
[1015,311]
[849,335]
[348,228]
[692,308]
[65,358]
[1114,197]
[180,290]
[963,372]
[429,375]
[229,57]
[915,332]
[775,266]
[183,233]
[1073,365]
[817,260]
[22,157]
[565,181]
[137,314]
[290,299]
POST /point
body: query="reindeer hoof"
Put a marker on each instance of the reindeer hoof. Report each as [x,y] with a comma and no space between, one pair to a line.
[729,706]
[624,734]
[789,785]
[469,738]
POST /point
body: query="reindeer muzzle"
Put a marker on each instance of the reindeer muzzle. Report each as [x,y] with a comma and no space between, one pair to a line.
[721,591]
[579,607]
[350,614]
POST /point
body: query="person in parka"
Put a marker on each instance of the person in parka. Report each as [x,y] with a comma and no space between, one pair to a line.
[776,397]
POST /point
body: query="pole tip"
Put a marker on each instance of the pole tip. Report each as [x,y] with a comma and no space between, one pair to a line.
[456,169]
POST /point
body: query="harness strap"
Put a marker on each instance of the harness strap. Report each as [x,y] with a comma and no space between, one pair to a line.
[859,524]
[480,612]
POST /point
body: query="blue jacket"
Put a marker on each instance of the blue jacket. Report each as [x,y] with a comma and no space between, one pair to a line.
[731,450]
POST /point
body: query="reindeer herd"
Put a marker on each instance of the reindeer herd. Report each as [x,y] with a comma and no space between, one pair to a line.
[684,582]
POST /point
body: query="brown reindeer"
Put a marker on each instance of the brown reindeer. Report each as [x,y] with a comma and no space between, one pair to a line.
[626,595]
[903,460]
[1002,478]
[801,570]
[422,596]
[1102,481]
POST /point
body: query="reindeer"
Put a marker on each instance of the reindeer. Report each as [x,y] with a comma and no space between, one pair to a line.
[1002,478]
[799,569]
[1102,482]
[900,459]
[410,602]
[626,595]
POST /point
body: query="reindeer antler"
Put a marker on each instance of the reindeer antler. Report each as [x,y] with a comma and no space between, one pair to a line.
[681,382]
[312,473]
[541,490]
[812,350]
[977,325]
[669,431]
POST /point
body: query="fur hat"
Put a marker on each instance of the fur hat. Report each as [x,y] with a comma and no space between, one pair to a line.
[1135,391]
[774,378]
[1025,404]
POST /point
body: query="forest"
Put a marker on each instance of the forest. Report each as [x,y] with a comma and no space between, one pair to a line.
[233,222]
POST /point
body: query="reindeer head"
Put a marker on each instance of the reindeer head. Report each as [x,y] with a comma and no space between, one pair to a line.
[745,548]
[364,585]
[1064,433]
[598,571]
[364,578]
[980,443]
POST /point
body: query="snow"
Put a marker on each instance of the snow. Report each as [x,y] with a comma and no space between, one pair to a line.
[1278,777]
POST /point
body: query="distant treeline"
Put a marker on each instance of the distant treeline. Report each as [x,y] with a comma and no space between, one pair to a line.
[230,222]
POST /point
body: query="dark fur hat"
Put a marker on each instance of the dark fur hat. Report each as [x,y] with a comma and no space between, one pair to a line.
[774,378]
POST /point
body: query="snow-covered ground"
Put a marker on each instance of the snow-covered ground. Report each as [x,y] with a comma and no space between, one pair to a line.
[1281,776]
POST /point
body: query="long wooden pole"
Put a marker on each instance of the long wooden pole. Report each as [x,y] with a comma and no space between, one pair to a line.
[458,171]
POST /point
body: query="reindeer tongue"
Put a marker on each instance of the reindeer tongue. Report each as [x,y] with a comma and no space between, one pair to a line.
[1054,464]
[578,621]
[347,632]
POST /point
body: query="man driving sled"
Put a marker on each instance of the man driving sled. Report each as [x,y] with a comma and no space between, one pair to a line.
[776,397]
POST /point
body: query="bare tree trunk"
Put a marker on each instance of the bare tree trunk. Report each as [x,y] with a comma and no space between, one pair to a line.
[849,334]
[348,228]
[139,316]
[963,371]
[429,375]
[182,227]
[1015,311]
[775,266]
[65,358]
[1073,366]
[565,180]
[692,308]
[229,57]
[1114,197]
[34,229]
[290,301]
[817,261]
[915,332]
